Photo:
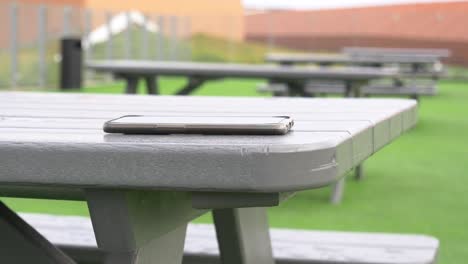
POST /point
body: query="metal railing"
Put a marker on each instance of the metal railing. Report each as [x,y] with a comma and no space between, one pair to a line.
[30,35]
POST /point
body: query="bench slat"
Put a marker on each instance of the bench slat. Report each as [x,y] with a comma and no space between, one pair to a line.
[75,236]
[336,88]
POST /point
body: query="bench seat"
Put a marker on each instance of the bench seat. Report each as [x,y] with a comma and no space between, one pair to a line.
[426,90]
[75,236]
[336,87]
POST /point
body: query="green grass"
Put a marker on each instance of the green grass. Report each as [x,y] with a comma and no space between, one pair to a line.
[417,184]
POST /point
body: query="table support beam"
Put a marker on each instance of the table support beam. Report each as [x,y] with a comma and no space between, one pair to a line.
[135,227]
[192,84]
[243,236]
[22,244]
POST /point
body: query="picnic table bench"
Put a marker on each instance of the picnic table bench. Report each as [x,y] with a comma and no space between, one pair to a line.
[75,236]
[417,74]
[398,52]
[198,73]
[142,190]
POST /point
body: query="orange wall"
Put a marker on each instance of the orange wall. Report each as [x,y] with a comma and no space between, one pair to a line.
[224,18]
[48,2]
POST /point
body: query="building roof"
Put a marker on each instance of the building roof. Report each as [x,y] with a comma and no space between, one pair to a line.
[330,4]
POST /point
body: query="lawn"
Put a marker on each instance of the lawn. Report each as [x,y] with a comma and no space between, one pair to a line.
[417,184]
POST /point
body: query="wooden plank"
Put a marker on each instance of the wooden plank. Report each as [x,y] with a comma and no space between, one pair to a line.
[223,70]
[400,90]
[380,121]
[376,90]
[415,52]
[288,245]
[170,102]
[329,122]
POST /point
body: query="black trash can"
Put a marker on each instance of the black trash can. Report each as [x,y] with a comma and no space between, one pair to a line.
[72,63]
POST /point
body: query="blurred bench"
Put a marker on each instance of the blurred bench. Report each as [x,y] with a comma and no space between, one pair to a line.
[313,88]
[75,236]
[421,52]
[412,90]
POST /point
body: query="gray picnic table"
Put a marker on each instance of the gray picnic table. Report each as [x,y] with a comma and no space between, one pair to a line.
[409,65]
[198,73]
[142,190]
[418,69]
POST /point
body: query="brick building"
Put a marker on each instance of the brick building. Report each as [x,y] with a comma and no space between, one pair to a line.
[428,25]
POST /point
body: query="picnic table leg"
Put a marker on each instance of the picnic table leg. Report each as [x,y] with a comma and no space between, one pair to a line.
[337,192]
[152,84]
[192,84]
[280,93]
[359,172]
[132,85]
[297,89]
[22,244]
[243,236]
[135,227]
[286,63]
[348,89]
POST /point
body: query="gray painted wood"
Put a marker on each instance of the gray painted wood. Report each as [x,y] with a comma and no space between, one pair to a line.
[343,58]
[198,73]
[135,227]
[407,89]
[337,191]
[223,70]
[315,87]
[59,138]
[243,236]
[289,246]
[20,243]
[411,89]
[409,64]
[437,53]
